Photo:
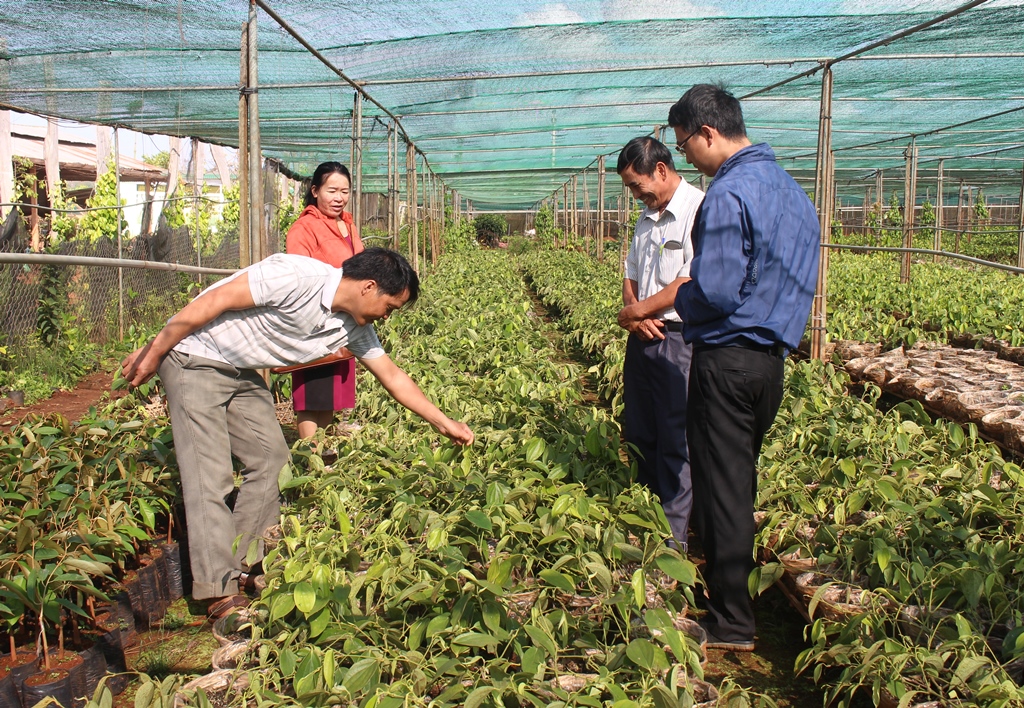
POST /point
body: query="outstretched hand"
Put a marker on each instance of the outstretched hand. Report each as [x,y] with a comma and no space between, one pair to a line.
[458,432]
[140,366]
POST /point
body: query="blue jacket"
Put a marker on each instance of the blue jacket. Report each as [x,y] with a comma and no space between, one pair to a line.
[756,249]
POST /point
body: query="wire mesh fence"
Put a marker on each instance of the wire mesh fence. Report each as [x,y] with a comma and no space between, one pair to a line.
[51,305]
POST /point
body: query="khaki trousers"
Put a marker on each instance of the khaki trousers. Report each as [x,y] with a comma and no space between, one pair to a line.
[218,411]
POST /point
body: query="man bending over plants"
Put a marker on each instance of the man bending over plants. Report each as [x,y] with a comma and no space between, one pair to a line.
[282,311]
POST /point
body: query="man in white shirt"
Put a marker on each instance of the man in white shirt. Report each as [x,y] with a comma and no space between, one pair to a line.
[283,310]
[657,359]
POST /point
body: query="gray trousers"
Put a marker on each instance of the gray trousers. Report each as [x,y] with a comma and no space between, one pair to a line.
[218,411]
[654,378]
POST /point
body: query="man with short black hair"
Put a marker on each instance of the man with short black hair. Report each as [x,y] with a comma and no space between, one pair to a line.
[284,310]
[755,266]
[657,359]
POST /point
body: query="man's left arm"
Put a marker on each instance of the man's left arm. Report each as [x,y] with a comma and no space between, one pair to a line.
[404,390]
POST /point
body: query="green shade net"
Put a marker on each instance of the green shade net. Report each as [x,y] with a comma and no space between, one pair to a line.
[507,100]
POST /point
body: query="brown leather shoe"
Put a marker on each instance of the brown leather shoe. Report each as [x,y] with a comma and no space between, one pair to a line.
[224,606]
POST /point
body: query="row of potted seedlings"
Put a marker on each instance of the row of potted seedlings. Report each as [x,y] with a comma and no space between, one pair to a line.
[79,565]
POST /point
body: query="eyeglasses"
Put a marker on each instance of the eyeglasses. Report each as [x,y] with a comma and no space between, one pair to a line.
[680,147]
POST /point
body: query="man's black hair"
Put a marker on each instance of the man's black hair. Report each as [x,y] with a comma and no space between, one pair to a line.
[711,105]
[323,171]
[387,268]
[643,154]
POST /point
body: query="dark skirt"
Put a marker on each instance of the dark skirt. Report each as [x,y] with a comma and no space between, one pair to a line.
[325,388]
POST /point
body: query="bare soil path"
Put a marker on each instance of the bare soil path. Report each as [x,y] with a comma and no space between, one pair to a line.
[93,390]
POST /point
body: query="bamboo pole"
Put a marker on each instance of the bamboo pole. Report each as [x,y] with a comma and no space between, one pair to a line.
[586,214]
[357,162]
[937,241]
[600,208]
[120,240]
[959,217]
[244,244]
[256,228]
[822,177]
[411,199]
[6,161]
[1020,223]
[909,199]
[196,157]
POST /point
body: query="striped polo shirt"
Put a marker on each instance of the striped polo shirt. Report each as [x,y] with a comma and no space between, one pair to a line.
[292,322]
[661,250]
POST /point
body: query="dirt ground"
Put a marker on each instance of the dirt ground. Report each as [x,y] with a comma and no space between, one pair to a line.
[92,390]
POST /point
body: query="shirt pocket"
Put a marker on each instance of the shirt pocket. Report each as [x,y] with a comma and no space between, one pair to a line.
[671,258]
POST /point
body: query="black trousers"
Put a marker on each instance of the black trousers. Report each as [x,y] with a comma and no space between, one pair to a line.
[734,396]
[654,393]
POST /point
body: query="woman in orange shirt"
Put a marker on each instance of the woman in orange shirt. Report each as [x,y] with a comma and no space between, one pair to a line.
[324,231]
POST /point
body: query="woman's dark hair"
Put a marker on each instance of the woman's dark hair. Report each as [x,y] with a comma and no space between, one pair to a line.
[323,171]
[387,268]
[643,154]
[711,105]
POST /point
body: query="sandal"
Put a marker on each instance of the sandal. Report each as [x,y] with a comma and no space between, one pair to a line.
[225,606]
[247,583]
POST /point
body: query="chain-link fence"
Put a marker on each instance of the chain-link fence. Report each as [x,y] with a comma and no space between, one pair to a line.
[52,310]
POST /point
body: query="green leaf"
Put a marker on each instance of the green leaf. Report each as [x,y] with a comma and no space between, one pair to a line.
[477,696]
[146,511]
[680,570]
[475,639]
[479,519]
[362,673]
[144,696]
[558,580]
[89,567]
[639,587]
[646,655]
[541,639]
[305,597]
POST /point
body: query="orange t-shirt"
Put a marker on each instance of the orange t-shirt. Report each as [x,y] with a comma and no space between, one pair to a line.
[315,235]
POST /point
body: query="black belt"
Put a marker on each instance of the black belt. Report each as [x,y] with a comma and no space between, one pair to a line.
[776,350]
[672,325]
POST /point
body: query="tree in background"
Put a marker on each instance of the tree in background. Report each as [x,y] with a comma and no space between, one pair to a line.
[103,222]
[490,228]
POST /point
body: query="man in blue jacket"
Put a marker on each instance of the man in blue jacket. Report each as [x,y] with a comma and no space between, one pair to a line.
[756,248]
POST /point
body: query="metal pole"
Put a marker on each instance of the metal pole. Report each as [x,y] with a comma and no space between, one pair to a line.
[821,178]
[357,161]
[937,243]
[256,240]
[600,208]
[244,250]
[120,245]
[567,214]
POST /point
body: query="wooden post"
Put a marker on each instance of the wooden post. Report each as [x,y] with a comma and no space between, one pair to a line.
[388,191]
[568,214]
[937,242]
[244,241]
[1020,224]
[411,198]
[865,212]
[600,208]
[880,191]
[120,245]
[6,162]
[196,159]
[909,200]
[822,175]
[255,161]
[959,217]
[357,162]
[586,214]
[426,213]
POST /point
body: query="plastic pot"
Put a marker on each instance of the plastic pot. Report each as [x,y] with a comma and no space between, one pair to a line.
[95,668]
[172,562]
[8,693]
[55,683]
[24,663]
